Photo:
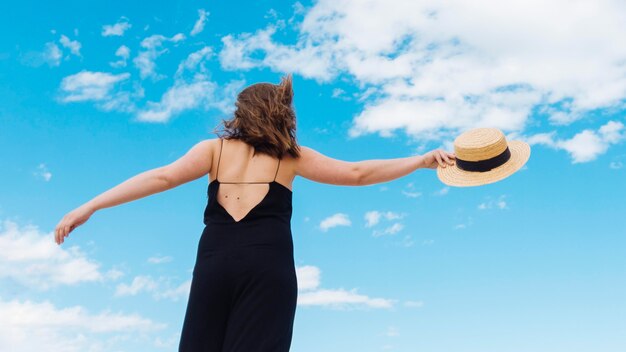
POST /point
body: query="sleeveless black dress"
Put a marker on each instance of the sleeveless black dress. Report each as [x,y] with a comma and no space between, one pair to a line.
[243,289]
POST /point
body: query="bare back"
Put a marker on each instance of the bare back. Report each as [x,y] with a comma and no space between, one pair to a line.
[244,179]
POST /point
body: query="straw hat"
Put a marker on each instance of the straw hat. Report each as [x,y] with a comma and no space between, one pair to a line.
[483,155]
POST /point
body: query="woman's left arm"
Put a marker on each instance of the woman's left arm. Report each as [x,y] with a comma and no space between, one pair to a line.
[194,164]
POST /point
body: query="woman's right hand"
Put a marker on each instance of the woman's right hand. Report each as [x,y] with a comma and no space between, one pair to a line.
[438,157]
[70,221]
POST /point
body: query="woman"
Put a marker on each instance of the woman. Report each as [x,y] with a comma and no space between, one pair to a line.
[243,290]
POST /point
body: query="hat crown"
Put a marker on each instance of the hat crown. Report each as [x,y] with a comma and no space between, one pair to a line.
[480,144]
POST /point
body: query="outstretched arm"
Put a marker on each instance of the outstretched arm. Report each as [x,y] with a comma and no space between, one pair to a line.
[320,168]
[194,164]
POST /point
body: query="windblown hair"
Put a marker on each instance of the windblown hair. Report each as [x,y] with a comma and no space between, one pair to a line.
[265,119]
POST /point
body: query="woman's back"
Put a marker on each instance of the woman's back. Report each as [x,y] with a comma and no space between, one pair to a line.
[250,184]
[244,289]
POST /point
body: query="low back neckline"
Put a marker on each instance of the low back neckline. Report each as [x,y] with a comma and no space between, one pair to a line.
[270,182]
[251,211]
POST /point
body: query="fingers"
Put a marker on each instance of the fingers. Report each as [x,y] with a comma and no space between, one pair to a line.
[61,231]
[57,235]
[438,158]
[444,158]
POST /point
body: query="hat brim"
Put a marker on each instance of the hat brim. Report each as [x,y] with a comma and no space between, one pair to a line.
[453,176]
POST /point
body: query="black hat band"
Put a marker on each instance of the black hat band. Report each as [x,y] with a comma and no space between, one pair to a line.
[484,165]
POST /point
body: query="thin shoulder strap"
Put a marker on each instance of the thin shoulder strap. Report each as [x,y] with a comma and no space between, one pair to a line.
[277,170]
[217,173]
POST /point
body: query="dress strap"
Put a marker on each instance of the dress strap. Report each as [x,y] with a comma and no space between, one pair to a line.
[218,160]
[218,168]
[277,170]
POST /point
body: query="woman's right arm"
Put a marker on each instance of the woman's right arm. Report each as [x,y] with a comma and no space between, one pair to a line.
[320,168]
[195,163]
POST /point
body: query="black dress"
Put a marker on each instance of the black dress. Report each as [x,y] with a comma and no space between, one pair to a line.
[243,289]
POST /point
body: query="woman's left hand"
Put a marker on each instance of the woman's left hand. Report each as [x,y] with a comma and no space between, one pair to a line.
[70,221]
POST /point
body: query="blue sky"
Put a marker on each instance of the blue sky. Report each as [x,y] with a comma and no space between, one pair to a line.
[94,93]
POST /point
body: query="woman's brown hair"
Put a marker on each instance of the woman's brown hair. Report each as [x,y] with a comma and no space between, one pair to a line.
[265,118]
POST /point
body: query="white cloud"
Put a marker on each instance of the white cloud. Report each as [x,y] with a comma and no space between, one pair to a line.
[411,192]
[73,45]
[585,146]
[139,284]
[124,53]
[309,293]
[373,217]
[88,85]
[463,225]
[43,172]
[41,326]
[407,241]
[342,299]
[199,25]
[615,165]
[390,230]
[145,60]
[183,96]
[32,258]
[309,62]
[99,87]
[443,191]
[116,29]
[159,260]
[175,293]
[432,70]
[308,277]
[337,92]
[499,203]
[339,219]
[195,63]
[52,54]
[160,288]
[192,88]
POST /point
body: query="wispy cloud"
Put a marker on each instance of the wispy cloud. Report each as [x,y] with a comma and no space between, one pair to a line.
[390,230]
[199,25]
[338,219]
[145,61]
[101,88]
[436,71]
[585,146]
[373,217]
[491,203]
[192,89]
[160,288]
[31,258]
[52,55]
[73,45]
[43,172]
[123,52]
[42,326]
[160,260]
[309,293]
[442,192]
[116,29]
[465,224]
